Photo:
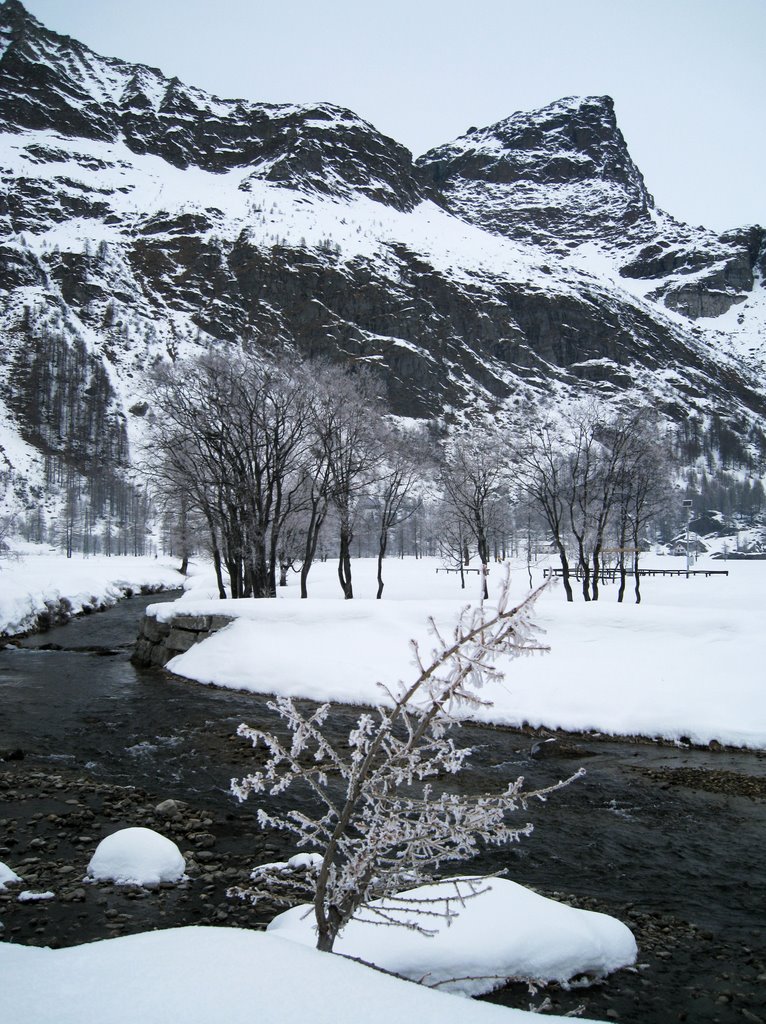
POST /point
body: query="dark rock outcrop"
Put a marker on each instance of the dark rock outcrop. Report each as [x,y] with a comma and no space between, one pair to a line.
[558,175]
[50,82]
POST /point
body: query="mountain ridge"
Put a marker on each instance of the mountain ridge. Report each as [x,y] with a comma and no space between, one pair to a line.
[160,116]
[142,219]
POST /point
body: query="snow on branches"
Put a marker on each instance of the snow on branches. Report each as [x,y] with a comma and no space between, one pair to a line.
[384,820]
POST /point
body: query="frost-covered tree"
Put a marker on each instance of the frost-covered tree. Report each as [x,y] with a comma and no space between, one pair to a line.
[394,490]
[474,481]
[643,491]
[585,470]
[233,432]
[347,420]
[384,820]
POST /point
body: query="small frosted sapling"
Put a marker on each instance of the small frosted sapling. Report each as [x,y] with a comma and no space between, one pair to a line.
[381,826]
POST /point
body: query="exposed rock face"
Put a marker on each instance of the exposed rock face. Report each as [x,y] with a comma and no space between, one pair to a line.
[142,219]
[558,176]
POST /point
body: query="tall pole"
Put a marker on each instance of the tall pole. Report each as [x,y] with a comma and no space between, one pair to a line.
[688,518]
[688,507]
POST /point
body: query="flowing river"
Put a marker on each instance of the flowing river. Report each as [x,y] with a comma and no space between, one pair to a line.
[668,839]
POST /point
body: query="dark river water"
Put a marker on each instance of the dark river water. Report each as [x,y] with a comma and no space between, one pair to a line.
[650,830]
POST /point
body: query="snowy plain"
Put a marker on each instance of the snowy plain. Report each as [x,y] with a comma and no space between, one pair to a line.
[684,665]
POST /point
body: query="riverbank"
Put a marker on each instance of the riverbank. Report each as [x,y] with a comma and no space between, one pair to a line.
[40,588]
[685,665]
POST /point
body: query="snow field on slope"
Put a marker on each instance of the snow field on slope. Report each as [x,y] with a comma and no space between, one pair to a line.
[685,663]
[271,214]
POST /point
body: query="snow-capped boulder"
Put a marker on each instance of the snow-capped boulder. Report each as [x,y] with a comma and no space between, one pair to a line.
[137,856]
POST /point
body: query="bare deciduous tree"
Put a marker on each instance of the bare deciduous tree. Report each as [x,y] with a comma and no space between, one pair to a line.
[643,492]
[346,418]
[235,433]
[542,475]
[583,469]
[474,480]
[404,462]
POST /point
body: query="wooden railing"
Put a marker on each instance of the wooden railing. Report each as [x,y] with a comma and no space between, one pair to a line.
[614,574]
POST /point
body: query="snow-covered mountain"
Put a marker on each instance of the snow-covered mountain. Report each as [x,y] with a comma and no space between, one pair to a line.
[563,178]
[141,219]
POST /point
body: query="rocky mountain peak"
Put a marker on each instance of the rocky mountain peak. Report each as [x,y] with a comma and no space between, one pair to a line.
[14,16]
[562,174]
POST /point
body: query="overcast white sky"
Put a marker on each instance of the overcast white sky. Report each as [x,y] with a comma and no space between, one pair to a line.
[688,77]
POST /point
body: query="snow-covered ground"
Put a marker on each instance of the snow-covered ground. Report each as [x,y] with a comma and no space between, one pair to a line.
[504,930]
[217,975]
[685,663]
[34,580]
[496,930]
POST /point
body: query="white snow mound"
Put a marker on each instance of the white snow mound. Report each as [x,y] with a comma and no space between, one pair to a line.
[7,876]
[213,975]
[137,856]
[507,931]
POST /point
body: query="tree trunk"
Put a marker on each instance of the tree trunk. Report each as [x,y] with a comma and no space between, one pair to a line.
[623,579]
[218,569]
[344,563]
[585,570]
[565,572]
[596,570]
[262,575]
[381,555]
[328,931]
[312,539]
[483,545]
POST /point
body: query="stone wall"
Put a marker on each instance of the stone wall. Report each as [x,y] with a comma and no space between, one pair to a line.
[158,642]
